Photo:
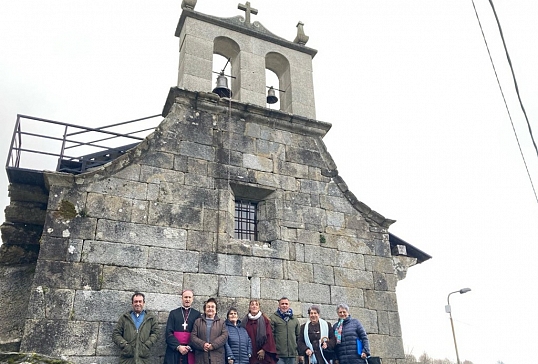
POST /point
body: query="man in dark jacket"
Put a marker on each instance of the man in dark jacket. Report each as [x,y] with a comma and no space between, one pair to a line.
[178,331]
[136,332]
[285,331]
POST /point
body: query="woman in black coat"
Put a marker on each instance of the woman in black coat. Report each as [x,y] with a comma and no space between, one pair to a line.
[316,338]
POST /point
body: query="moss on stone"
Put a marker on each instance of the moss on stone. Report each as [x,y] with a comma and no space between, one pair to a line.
[67,210]
[32,358]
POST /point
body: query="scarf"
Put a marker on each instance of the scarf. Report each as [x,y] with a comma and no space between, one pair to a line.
[338,331]
[261,334]
[286,316]
[324,332]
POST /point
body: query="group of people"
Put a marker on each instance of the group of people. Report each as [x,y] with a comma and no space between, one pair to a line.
[204,338]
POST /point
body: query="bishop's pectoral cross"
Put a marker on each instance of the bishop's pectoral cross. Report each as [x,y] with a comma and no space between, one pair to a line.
[247,10]
[185,325]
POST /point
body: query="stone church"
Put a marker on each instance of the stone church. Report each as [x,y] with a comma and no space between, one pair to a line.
[228,196]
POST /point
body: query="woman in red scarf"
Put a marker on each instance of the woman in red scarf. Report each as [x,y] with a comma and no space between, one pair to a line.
[259,330]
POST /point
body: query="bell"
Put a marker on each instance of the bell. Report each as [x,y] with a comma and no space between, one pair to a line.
[222,86]
[271,97]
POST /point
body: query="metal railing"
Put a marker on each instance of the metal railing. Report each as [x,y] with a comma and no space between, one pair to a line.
[72,148]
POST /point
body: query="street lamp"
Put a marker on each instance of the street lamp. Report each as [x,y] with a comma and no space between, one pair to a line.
[449,311]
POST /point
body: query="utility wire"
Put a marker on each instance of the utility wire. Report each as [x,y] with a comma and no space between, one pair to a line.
[502,93]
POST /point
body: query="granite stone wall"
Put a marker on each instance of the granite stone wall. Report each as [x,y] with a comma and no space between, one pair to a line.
[161,218]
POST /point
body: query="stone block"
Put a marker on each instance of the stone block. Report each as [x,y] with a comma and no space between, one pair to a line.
[298,271]
[368,318]
[65,249]
[36,305]
[141,234]
[227,245]
[202,284]
[60,337]
[314,292]
[140,211]
[276,249]
[290,169]
[380,282]
[197,180]
[377,300]
[353,278]
[379,264]
[197,150]
[181,217]
[315,217]
[130,172]
[141,279]
[270,149]
[323,274]
[320,255]
[220,264]
[76,228]
[158,159]
[350,260]
[105,346]
[387,347]
[394,324]
[336,219]
[110,207]
[234,286]
[173,259]
[273,289]
[350,244]
[305,157]
[383,325]
[27,193]
[203,241]
[181,163]
[58,303]
[102,252]
[349,295]
[308,237]
[337,204]
[118,187]
[313,187]
[15,285]
[112,304]
[272,180]
[51,274]
[151,174]
[262,267]
[258,163]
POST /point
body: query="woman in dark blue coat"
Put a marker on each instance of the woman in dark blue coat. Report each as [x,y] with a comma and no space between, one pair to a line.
[347,330]
[239,346]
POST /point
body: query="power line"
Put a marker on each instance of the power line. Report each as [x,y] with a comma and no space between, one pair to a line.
[502,93]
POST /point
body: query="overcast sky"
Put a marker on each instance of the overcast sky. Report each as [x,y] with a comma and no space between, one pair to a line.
[420,131]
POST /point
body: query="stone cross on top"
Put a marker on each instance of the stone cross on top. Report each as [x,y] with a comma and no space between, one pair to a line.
[247,10]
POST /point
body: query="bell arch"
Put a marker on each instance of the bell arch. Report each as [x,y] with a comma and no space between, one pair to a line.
[280,65]
[229,49]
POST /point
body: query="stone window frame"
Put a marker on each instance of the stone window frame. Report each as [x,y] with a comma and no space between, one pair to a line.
[265,222]
[245,220]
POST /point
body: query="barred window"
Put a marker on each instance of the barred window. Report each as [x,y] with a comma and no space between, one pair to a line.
[246,220]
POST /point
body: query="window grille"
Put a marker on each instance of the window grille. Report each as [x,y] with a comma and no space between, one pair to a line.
[245,220]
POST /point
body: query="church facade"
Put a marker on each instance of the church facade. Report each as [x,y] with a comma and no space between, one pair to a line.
[227,197]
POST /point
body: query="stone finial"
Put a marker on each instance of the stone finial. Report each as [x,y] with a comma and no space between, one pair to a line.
[248,10]
[301,38]
[188,4]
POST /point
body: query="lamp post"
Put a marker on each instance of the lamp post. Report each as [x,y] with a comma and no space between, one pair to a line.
[447,309]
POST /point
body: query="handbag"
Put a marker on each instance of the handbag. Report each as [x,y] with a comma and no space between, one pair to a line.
[373,360]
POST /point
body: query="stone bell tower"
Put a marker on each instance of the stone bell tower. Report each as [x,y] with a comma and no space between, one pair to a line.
[251,49]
